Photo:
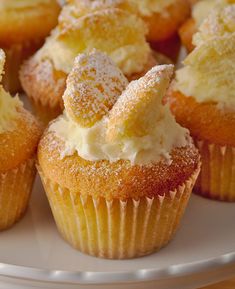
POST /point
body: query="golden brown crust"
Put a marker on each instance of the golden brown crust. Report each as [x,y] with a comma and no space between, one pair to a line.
[186,32]
[163,25]
[114,180]
[29,23]
[19,144]
[204,120]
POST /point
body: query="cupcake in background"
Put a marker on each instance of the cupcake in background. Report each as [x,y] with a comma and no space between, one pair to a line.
[19,136]
[24,24]
[202,100]
[117,169]
[162,17]
[200,10]
[81,28]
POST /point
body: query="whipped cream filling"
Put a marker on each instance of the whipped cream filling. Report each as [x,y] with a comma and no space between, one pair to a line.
[91,144]
[219,23]
[129,58]
[203,8]
[208,86]
[61,55]
[8,111]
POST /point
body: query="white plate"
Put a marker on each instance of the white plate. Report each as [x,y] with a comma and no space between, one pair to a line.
[33,250]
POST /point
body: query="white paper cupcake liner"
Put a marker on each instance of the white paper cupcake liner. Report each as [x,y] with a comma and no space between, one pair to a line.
[117,229]
[217,177]
[15,189]
[44,111]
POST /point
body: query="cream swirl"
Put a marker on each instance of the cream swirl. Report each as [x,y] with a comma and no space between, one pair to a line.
[138,128]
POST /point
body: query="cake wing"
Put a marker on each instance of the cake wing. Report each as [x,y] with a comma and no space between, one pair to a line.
[93,87]
[138,108]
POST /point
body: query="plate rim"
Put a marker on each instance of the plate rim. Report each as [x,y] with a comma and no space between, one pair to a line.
[99,278]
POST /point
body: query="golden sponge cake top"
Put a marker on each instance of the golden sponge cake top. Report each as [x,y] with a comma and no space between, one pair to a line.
[219,23]
[117,32]
[26,20]
[93,87]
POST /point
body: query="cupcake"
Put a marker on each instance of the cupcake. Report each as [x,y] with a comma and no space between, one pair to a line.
[117,169]
[112,30]
[202,100]
[162,17]
[24,24]
[19,136]
[200,11]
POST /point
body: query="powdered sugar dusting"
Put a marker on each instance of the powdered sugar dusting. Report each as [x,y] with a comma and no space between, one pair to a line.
[144,84]
[142,129]
[139,106]
[93,87]
[220,22]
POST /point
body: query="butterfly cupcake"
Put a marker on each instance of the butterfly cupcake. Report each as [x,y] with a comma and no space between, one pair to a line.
[115,31]
[117,168]
[202,99]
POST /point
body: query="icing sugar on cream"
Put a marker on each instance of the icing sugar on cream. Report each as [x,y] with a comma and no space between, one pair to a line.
[92,143]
